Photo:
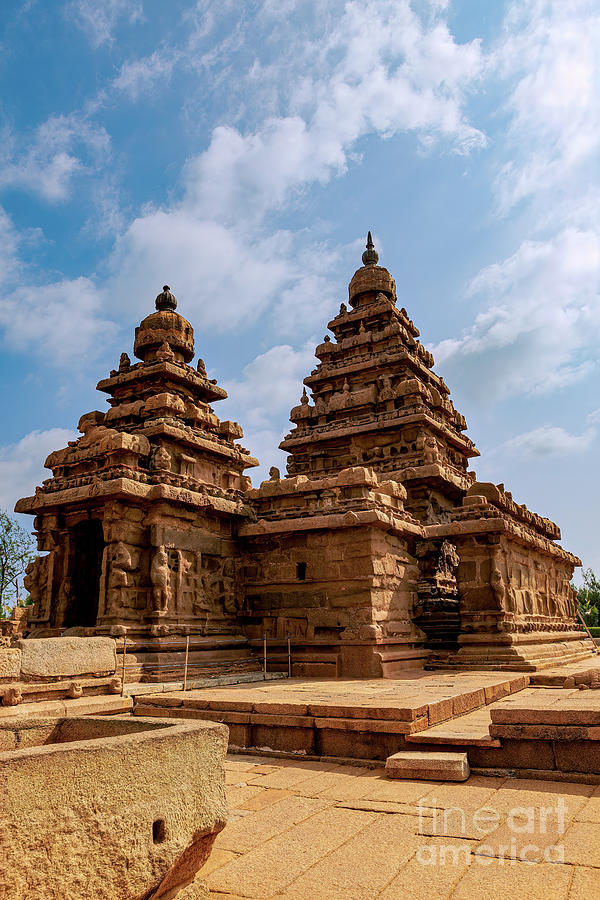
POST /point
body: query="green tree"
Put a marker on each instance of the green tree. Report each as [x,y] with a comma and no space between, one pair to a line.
[16,552]
[588,597]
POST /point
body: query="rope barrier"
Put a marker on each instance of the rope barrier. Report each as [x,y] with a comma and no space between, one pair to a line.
[203,664]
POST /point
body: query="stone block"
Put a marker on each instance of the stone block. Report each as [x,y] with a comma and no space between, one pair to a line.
[515,754]
[178,539]
[169,774]
[10,663]
[577,756]
[429,765]
[67,656]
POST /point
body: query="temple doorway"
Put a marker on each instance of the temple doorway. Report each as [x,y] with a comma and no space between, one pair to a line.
[87,546]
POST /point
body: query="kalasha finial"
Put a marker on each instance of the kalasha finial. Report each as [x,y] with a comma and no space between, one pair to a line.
[166,300]
[370,257]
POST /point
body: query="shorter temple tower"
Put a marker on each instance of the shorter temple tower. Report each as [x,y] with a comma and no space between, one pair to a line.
[139,519]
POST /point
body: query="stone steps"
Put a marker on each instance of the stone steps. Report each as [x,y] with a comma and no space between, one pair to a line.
[471,730]
[344,718]
[428,765]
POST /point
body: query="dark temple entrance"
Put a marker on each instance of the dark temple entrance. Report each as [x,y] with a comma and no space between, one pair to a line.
[87,545]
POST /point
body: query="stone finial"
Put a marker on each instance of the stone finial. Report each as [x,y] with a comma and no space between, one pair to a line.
[370,257]
[166,300]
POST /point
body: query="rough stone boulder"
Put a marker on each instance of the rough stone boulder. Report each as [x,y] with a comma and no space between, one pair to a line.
[67,656]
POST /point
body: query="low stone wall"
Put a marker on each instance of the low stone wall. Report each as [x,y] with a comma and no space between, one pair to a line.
[53,668]
[112,809]
[62,657]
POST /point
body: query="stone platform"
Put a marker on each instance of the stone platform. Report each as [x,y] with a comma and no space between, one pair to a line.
[302,829]
[365,719]
[503,724]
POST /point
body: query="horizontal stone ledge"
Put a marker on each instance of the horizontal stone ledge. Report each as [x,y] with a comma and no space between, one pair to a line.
[83,706]
[132,490]
[372,726]
[508,638]
[539,716]
[546,732]
[350,519]
[369,713]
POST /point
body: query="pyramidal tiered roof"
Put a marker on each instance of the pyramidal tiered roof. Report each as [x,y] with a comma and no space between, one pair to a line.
[376,400]
[160,428]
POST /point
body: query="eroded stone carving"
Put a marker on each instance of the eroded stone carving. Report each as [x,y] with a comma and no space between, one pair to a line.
[160,577]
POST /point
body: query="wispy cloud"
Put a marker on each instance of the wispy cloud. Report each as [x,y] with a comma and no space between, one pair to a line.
[541,310]
[62,320]
[22,463]
[548,52]
[262,397]
[549,440]
[138,77]
[62,147]
[100,18]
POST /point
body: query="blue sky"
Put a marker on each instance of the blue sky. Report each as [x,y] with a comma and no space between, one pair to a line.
[240,152]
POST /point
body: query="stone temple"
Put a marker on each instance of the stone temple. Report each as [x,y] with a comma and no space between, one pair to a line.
[379,552]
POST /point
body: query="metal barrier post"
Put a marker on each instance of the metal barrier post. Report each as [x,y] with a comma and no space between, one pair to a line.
[123,672]
[187,653]
[289,640]
[589,633]
[264,656]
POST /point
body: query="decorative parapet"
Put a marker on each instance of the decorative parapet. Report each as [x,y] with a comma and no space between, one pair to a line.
[353,496]
[498,513]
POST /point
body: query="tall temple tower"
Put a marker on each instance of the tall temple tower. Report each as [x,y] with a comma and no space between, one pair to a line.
[381,550]
[141,514]
[377,402]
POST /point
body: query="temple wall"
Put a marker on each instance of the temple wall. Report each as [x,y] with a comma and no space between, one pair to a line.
[503,583]
[161,564]
[337,593]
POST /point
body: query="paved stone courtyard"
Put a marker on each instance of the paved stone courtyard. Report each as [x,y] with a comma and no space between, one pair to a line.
[303,829]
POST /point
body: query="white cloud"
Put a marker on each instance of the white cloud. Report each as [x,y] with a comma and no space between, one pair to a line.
[271,384]
[22,463]
[549,440]
[10,264]
[99,18]
[593,418]
[224,278]
[549,55]
[139,76]
[61,321]
[374,68]
[378,70]
[262,398]
[61,147]
[541,323]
